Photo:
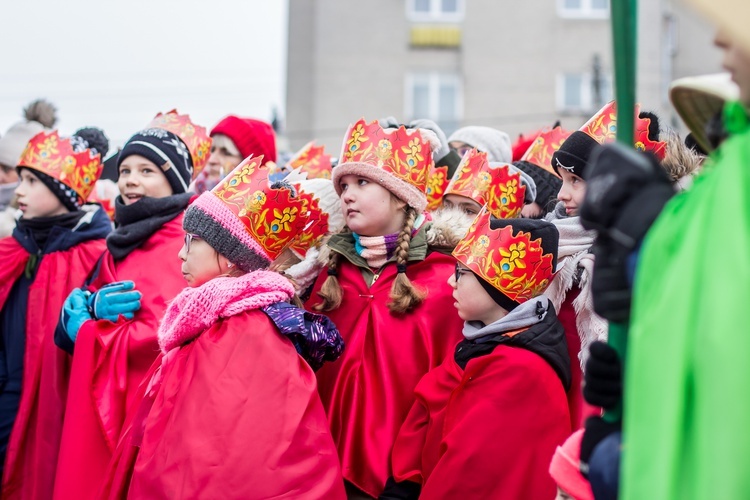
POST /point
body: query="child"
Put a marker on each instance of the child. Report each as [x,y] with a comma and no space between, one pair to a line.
[53,248]
[231,410]
[485,139]
[570,291]
[385,291]
[486,422]
[476,180]
[112,322]
[565,469]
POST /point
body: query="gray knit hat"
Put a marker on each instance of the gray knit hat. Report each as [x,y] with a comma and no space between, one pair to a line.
[39,115]
[489,140]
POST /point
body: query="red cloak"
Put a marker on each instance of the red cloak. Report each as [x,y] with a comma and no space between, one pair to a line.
[233,414]
[34,442]
[488,431]
[367,392]
[111,359]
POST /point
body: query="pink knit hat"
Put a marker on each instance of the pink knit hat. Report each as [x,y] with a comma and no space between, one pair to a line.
[565,468]
[252,137]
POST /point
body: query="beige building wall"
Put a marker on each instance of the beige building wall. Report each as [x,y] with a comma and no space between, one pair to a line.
[352,59]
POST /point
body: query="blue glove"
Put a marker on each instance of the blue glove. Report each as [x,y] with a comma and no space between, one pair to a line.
[114,300]
[75,312]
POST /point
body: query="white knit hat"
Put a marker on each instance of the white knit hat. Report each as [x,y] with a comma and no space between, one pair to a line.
[489,140]
[40,115]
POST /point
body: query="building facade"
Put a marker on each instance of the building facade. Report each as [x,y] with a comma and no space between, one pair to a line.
[515,66]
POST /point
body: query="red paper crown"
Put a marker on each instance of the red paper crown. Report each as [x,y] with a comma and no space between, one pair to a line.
[602,127]
[541,150]
[313,160]
[437,183]
[54,156]
[496,186]
[272,216]
[194,136]
[315,229]
[516,265]
[402,152]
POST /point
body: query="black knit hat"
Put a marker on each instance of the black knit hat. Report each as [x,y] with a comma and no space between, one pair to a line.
[574,153]
[167,151]
[538,229]
[547,185]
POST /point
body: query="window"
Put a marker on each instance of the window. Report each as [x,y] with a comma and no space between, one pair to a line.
[436,96]
[579,93]
[583,9]
[428,11]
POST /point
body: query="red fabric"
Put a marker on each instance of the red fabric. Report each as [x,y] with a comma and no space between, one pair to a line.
[252,137]
[580,410]
[523,143]
[489,431]
[111,359]
[233,414]
[34,442]
[367,393]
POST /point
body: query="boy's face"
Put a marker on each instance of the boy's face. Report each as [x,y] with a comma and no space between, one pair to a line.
[140,177]
[472,301]
[737,62]
[35,199]
[572,192]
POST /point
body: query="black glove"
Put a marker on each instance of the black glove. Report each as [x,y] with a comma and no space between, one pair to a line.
[405,490]
[596,430]
[602,377]
[625,192]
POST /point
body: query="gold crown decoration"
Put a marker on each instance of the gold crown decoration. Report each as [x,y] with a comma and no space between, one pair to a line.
[541,150]
[50,154]
[514,264]
[602,127]
[315,229]
[496,186]
[401,152]
[311,159]
[437,183]
[194,136]
[274,218]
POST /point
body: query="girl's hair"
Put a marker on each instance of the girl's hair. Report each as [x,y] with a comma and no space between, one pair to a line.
[679,160]
[404,295]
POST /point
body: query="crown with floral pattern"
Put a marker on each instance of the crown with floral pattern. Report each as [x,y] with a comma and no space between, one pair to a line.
[541,150]
[437,183]
[514,264]
[50,154]
[398,159]
[476,179]
[312,160]
[194,136]
[315,229]
[602,127]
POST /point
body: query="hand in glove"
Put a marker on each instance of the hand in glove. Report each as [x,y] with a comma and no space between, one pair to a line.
[603,377]
[114,300]
[75,312]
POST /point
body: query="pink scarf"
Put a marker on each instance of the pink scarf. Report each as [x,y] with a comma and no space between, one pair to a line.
[196,309]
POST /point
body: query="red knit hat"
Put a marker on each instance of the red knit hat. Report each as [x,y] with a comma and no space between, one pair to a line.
[565,468]
[252,137]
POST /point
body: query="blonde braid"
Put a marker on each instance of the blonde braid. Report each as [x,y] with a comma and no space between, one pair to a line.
[331,291]
[404,295]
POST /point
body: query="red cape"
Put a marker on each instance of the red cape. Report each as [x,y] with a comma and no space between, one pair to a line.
[367,393]
[233,414]
[485,432]
[111,359]
[34,442]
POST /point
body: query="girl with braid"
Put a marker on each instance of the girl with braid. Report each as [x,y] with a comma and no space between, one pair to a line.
[385,288]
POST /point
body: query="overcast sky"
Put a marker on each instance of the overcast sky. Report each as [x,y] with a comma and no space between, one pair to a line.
[115,63]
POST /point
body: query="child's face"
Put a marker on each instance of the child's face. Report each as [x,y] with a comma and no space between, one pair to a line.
[472,301]
[469,206]
[200,262]
[572,192]
[35,199]
[369,208]
[140,177]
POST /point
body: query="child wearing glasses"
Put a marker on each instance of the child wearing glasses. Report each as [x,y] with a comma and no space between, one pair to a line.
[111,321]
[487,421]
[385,290]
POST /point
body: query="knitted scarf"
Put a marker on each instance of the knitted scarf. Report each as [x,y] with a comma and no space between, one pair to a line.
[377,250]
[575,267]
[195,309]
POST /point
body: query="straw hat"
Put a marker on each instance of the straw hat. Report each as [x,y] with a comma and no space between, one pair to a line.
[731,15]
[697,99]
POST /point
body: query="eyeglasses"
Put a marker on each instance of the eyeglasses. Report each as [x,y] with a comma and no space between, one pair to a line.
[189,237]
[460,270]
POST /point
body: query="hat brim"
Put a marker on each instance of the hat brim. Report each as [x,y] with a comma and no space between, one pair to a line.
[408,193]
